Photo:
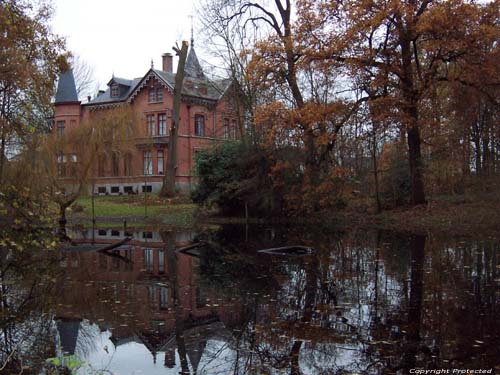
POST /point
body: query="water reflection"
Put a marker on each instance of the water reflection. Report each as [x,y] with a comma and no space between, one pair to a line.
[368,303]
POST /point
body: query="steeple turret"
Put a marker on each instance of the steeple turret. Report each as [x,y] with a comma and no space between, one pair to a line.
[193,68]
[66,89]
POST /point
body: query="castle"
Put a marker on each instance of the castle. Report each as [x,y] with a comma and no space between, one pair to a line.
[207,116]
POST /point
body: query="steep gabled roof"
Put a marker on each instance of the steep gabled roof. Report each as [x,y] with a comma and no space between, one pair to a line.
[66,88]
[197,87]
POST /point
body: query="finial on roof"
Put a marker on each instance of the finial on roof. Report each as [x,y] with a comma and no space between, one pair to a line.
[192,32]
[152,64]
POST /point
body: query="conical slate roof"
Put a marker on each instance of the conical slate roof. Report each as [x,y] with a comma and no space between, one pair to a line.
[68,334]
[66,88]
[193,68]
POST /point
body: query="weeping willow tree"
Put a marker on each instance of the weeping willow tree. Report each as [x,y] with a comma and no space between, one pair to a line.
[67,164]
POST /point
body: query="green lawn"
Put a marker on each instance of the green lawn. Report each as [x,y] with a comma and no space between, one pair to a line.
[112,208]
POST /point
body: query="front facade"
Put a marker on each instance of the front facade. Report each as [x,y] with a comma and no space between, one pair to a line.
[206,117]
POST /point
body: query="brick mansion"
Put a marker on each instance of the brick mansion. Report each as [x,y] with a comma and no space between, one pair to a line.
[207,116]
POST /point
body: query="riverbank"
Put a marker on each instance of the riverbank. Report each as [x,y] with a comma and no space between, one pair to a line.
[469,216]
[112,211]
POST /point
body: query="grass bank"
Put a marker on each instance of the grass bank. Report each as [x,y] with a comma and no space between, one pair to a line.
[458,215]
[135,209]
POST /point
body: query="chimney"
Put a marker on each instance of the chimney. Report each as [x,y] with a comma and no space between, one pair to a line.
[89,98]
[167,62]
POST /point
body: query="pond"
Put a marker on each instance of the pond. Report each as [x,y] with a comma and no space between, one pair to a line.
[217,301]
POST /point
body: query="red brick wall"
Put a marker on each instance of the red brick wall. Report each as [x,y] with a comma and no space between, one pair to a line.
[188,142]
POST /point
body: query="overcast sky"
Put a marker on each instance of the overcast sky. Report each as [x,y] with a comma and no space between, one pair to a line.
[122,36]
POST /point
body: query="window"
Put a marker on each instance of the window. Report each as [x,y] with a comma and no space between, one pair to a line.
[201,299]
[114,90]
[128,189]
[199,125]
[163,298]
[147,189]
[160,162]
[116,169]
[148,259]
[101,190]
[115,189]
[102,232]
[162,124]
[148,163]
[233,129]
[151,294]
[114,232]
[101,165]
[71,159]
[161,261]
[127,165]
[152,95]
[159,94]
[151,124]
[61,165]
[60,128]
[226,128]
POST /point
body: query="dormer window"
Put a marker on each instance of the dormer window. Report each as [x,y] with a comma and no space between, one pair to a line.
[114,90]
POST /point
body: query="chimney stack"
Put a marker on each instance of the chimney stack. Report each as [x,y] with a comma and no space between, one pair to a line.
[167,62]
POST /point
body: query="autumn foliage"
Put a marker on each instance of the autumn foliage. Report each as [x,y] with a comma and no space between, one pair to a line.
[394,101]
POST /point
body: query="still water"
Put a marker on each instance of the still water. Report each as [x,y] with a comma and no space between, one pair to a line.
[207,301]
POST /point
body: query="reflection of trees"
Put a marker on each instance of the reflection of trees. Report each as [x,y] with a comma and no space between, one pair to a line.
[26,329]
[169,240]
[387,303]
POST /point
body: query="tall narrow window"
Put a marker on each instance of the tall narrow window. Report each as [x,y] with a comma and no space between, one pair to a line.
[127,164]
[226,128]
[148,163]
[233,129]
[163,298]
[116,168]
[60,128]
[61,165]
[148,259]
[199,125]
[162,124]
[160,162]
[152,95]
[101,165]
[73,160]
[151,124]
[159,94]
[161,261]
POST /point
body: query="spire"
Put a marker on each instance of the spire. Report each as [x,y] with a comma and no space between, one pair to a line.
[66,88]
[193,68]
[152,64]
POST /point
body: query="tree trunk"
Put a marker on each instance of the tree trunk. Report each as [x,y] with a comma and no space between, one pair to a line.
[62,221]
[415,158]
[168,188]
[169,240]
[411,122]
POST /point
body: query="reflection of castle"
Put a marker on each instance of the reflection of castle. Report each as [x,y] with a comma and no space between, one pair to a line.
[133,292]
